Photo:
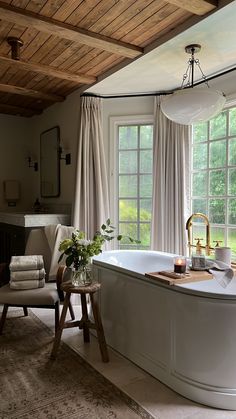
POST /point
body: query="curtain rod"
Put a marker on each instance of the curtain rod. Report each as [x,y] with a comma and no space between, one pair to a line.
[156,93]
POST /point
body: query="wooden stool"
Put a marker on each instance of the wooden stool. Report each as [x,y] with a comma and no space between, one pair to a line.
[84,323]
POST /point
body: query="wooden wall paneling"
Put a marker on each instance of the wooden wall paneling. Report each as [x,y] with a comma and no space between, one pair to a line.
[60,46]
[113,14]
[51,7]
[38,39]
[152,21]
[161,23]
[18,77]
[72,53]
[81,11]
[5,28]
[165,27]
[137,17]
[35,6]
[86,54]
[99,10]
[67,8]
[20,3]
[107,66]
[43,50]
[98,63]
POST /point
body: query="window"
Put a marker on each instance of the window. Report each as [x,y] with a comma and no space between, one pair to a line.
[133,178]
[214,177]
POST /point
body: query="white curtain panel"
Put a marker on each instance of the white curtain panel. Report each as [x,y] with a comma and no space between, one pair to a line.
[171,168]
[91,205]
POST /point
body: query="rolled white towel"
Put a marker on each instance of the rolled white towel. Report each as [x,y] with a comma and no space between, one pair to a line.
[26,263]
[27,285]
[27,275]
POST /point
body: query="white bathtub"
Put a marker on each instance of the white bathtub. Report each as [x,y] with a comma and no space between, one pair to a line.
[184,335]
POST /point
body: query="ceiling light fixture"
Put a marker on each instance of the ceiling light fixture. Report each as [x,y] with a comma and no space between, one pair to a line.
[191,105]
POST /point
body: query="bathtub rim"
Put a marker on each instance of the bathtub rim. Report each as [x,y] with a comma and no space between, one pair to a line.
[99,262]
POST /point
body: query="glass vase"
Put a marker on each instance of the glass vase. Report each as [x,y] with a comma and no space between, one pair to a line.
[81,277]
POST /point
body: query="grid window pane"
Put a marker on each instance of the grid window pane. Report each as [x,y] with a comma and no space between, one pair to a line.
[232,211]
[146,161]
[218,126]
[232,182]
[232,151]
[200,156]
[232,241]
[135,156]
[217,211]
[217,235]
[128,210]
[145,235]
[145,209]
[128,230]
[200,132]
[199,184]
[232,121]
[214,188]
[145,186]
[199,205]
[146,136]
[217,182]
[218,154]
[128,186]
[199,232]
[128,137]
[128,162]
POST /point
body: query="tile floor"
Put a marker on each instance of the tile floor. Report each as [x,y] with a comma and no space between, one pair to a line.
[155,397]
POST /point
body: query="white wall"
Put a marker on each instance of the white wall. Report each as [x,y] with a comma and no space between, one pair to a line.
[20,136]
[66,116]
[15,146]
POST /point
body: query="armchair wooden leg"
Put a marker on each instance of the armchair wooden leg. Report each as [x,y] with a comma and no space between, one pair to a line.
[57,313]
[71,310]
[25,311]
[3,318]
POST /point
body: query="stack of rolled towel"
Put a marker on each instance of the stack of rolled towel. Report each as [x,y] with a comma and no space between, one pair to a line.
[27,272]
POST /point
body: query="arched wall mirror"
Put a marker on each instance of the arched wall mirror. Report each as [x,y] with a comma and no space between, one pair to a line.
[50,163]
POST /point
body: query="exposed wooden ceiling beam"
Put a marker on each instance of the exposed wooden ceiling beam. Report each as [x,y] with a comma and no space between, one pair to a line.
[49,71]
[18,110]
[62,30]
[23,91]
[197,7]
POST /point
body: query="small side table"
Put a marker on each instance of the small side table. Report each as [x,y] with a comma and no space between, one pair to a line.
[84,323]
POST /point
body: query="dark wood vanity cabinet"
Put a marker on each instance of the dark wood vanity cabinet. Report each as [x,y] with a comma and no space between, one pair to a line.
[12,241]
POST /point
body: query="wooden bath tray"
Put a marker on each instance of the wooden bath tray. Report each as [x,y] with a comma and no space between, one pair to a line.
[171,278]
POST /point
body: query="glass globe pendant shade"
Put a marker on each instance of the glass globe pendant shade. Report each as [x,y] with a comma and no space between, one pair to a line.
[192,105]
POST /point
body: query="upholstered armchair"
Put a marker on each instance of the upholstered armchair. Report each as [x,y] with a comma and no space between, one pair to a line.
[47,297]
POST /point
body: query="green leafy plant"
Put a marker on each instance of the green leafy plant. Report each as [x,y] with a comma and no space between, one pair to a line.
[78,250]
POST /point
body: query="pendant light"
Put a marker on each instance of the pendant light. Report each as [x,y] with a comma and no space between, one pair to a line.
[191,105]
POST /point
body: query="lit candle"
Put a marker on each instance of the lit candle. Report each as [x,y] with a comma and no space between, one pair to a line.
[179,265]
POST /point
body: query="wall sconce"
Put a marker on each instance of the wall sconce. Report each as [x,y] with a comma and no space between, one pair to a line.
[31,164]
[66,157]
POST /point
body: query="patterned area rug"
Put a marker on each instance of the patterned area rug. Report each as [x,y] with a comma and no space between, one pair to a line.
[34,386]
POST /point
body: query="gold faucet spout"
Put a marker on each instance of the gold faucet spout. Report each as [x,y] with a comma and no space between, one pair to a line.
[189,224]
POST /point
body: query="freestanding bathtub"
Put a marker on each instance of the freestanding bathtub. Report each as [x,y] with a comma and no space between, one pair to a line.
[184,335]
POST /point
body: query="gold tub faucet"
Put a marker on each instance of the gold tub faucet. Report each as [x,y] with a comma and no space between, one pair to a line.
[198,246]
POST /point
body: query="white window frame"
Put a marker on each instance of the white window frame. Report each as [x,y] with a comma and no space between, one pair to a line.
[114,123]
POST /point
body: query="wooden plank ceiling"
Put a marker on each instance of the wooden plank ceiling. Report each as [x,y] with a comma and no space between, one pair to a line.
[67,44]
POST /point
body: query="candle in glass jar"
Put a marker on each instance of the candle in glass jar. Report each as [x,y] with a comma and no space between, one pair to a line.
[179,265]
